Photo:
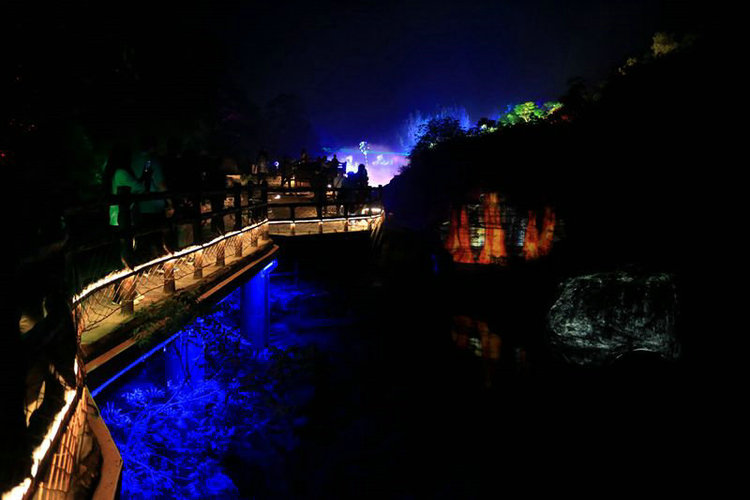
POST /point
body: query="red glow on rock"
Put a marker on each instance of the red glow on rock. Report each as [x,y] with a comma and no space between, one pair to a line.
[531,239]
[463,254]
[548,232]
[451,242]
[458,242]
[493,251]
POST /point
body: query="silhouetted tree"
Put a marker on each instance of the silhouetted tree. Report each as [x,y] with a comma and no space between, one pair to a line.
[414,125]
[288,127]
[437,130]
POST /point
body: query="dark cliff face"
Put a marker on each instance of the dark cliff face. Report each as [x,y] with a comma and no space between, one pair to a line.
[600,317]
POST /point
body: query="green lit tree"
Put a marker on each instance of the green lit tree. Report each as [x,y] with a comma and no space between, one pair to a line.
[528,112]
[662,44]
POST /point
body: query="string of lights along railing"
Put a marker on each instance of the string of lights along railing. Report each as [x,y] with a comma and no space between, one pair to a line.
[252,219]
[222,225]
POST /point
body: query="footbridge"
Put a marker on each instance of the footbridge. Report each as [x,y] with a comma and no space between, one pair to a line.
[110,284]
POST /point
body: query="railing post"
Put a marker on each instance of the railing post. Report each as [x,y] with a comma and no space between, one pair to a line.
[128,293]
[198,265]
[249,216]
[125,223]
[169,284]
[237,207]
[238,245]
[220,260]
[238,219]
[124,218]
[198,221]
[217,218]
[264,196]
[292,216]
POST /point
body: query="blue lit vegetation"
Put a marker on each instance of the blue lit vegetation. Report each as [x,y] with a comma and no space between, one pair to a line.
[205,399]
[416,124]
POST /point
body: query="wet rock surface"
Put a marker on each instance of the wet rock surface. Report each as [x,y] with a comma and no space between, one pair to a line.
[598,318]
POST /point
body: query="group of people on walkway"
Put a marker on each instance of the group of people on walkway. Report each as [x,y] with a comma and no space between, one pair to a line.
[138,171]
[142,169]
[333,172]
[347,190]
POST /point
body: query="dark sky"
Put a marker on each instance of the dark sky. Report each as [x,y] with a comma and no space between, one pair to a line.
[363,67]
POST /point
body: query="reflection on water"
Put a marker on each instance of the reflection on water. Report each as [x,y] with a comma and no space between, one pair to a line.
[493,232]
[476,337]
[208,399]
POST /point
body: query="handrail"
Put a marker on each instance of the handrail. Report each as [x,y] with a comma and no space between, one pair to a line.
[114,199]
[249,205]
[125,273]
[279,189]
[246,208]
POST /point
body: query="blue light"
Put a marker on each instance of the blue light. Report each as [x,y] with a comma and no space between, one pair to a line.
[135,363]
[188,408]
[267,269]
[270,266]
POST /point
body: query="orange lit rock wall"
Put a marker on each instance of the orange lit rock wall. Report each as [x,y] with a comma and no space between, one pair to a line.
[460,227]
[548,232]
[498,246]
[531,239]
[493,250]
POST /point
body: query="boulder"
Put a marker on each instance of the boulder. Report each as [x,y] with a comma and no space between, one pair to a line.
[600,317]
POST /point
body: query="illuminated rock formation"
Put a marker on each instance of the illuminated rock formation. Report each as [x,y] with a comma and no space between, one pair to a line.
[451,242]
[493,251]
[531,239]
[459,244]
[548,232]
[600,317]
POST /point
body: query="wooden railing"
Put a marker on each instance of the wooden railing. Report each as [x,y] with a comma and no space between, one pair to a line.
[52,413]
[245,205]
[327,207]
[219,219]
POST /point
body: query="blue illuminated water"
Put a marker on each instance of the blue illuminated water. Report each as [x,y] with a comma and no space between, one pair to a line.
[208,407]
[360,394]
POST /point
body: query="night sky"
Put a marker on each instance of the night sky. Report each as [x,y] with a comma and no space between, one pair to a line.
[363,67]
[360,68]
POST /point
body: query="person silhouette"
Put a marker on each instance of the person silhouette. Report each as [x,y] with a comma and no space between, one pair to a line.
[361,178]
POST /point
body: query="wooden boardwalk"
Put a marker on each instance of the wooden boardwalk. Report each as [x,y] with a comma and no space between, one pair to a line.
[223,237]
[93,337]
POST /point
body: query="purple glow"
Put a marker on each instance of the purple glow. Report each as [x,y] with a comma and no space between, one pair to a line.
[382,162]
